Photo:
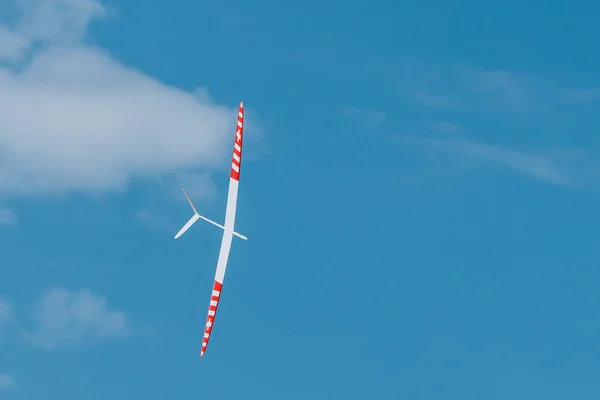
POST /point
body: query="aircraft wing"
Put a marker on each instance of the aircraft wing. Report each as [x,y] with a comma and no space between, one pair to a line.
[228,232]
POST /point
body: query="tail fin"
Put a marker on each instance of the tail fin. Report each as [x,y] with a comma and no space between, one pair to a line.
[196,217]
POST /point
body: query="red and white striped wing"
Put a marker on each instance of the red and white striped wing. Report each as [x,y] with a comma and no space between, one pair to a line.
[234,179]
[236,161]
[212,311]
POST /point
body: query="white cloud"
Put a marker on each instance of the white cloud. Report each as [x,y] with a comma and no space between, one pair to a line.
[74,118]
[12,45]
[57,21]
[6,381]
[66,317]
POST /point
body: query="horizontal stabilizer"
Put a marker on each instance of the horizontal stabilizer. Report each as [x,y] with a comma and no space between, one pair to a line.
[187,225]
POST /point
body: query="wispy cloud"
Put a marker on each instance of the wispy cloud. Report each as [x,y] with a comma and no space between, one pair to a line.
[66,317]
[155,220]
[444,127]
[527,123]
[199,185]
[429,99]
[12,45]
[91,122]
[8,217]
[583,95]
[502,90]
[558,166]
[6,313]
[372,118]
[6,381]
[468,88]
[539,166]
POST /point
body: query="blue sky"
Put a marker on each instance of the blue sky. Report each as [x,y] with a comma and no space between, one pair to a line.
[419,188]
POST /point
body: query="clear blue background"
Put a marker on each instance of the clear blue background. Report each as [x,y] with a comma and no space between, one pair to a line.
[370,271]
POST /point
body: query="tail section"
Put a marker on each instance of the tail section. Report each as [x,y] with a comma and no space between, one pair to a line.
[191,222]
[196,217]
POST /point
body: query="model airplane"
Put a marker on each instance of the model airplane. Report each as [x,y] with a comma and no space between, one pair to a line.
[228,227]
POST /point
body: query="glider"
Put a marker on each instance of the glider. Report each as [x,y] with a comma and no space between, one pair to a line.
[228,227]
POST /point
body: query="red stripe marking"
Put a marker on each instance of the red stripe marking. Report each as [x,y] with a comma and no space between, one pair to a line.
[210,319]
[238,139]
